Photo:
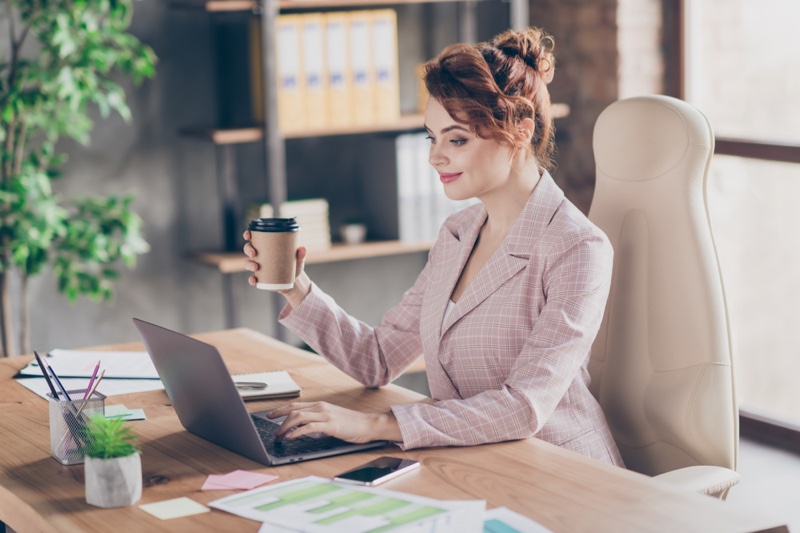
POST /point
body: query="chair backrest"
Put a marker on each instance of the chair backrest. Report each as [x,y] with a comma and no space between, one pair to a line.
[661,365]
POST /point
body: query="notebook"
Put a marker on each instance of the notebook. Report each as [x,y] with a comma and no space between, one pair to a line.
[278,384]
[208,403]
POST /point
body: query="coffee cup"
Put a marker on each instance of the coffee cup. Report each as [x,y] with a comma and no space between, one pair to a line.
[275,242]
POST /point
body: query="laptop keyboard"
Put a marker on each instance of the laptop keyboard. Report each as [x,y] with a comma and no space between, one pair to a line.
[303,445]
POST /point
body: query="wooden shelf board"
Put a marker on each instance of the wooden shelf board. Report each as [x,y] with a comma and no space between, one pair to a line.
[218,6]
[232,262]
[405,122]
[246,135]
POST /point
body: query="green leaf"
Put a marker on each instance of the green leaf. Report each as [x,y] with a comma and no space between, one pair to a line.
[72,71]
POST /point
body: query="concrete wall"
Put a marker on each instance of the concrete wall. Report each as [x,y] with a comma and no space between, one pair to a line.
[175,178]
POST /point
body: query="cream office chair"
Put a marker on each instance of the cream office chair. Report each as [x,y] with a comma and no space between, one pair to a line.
[661,364]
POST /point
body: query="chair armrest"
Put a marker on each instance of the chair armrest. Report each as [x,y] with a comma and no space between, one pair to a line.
[704,479]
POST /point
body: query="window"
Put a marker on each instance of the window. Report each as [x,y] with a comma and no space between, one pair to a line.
[742,69]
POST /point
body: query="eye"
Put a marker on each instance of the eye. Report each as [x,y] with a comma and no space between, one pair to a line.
[458,142]
[431,139]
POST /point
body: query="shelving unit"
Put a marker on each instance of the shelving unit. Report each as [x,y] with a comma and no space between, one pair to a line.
[231,260]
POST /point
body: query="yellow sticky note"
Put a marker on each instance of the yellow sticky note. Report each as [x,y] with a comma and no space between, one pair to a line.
[174,508]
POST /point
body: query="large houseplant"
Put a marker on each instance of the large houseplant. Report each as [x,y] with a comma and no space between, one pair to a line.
[59,65]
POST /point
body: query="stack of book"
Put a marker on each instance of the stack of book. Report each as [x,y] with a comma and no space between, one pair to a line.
[312,215]
[337,69]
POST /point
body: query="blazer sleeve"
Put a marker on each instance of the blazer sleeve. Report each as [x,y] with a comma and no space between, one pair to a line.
[576,286]
[374,356]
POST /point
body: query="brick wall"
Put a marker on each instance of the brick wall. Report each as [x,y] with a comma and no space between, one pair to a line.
[605,50]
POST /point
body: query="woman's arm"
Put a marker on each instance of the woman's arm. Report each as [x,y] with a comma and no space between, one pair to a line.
[576,285]
[372,355]
[304,418]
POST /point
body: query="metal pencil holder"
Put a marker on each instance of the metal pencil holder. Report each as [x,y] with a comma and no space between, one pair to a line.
[69,424]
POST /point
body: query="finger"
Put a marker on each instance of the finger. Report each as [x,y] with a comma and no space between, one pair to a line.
[249,250]
[252,266]
[297,420]
[246,234]
[288,408]
[301,260]
[307,429]
[252,280]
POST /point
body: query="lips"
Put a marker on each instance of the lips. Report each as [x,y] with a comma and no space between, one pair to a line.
[447,177]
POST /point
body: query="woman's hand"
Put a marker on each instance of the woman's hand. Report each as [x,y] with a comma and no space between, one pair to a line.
[302,283]
[304,418]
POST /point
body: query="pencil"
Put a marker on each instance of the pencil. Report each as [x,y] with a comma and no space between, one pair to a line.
[91,381]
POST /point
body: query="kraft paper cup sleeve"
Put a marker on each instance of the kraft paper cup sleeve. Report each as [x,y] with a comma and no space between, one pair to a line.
[276,255]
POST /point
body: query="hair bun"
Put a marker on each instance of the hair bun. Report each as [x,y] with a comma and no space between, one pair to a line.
[533,46]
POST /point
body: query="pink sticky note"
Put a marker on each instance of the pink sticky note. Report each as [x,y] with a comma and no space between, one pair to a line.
[238,479]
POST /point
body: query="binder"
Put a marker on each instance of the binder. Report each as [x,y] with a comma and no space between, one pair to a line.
[427,187]
[408,223]
[363,69]
[422,90]
[384,46]
[291,86]
[315,80]
[340,84]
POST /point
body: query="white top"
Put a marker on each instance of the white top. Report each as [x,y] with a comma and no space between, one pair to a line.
[450,305]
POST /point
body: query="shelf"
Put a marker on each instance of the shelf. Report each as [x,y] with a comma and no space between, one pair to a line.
[231,262]
[219,6]
[247,135]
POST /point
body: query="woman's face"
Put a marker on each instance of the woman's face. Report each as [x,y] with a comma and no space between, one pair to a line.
[468,166]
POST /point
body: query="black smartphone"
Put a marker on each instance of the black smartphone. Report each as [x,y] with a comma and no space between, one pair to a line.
[377,471]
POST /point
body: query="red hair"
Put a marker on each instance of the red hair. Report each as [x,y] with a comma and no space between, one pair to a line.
[491,87]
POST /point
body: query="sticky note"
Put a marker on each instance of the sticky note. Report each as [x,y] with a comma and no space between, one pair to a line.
[123,412]
[238,479]
[175,508]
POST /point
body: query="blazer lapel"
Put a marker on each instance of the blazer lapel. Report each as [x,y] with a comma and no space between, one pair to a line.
[512,256]
[461,240]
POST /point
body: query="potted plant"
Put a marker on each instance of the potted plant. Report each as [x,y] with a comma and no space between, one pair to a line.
[61,62]
[113,465]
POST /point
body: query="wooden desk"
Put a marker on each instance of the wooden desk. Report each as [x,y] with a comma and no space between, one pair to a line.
[558,488]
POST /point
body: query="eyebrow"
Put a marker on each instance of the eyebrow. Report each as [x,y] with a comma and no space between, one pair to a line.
[449,128]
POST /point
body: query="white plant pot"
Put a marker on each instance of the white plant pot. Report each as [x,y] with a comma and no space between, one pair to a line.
[113,482]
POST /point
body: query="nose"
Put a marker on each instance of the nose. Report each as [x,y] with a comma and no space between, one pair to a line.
[435,157]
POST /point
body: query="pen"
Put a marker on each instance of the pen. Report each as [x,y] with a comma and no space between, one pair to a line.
[251,385]
[59,384]
[44,369]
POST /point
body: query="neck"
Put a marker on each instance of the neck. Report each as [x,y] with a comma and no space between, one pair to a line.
[504,205]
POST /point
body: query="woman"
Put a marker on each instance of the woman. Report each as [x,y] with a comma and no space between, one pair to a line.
[512,295]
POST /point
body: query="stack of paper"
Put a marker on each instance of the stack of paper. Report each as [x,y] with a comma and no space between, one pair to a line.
[312,215]
[315,504]
[125,372]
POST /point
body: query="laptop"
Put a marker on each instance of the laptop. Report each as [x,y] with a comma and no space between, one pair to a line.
[207,403]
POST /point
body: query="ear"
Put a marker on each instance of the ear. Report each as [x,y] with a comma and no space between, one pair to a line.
[527,127]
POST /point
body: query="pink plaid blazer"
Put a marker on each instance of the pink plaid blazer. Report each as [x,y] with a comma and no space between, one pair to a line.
[510,361]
